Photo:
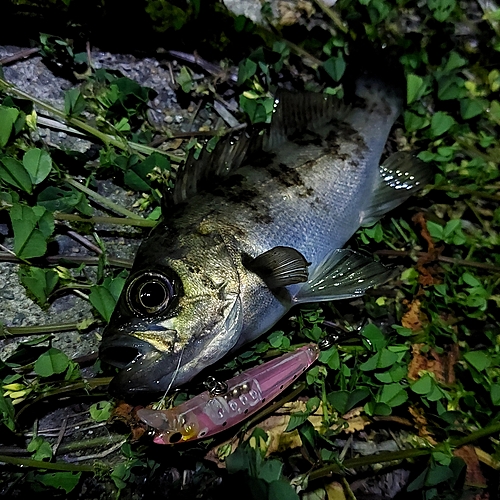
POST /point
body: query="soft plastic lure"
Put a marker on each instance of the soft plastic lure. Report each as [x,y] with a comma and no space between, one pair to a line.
[228,404]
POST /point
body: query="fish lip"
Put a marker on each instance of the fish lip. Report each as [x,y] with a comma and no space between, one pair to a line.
[121,351]
[135,359]
[140,364]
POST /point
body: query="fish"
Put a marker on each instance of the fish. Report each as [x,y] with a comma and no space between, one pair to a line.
[256,227]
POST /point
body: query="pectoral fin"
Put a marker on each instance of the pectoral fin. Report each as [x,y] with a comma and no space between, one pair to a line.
[401,175]
[280,266]
[344,275]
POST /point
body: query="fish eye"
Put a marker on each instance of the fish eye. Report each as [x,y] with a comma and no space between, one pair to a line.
[149,293]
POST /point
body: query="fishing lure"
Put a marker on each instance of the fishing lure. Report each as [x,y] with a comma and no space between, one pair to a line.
[226,404]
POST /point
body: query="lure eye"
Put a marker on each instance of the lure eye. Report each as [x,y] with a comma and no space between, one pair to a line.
[149,293]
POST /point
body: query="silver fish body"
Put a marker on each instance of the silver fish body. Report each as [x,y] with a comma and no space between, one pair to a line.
[234,255]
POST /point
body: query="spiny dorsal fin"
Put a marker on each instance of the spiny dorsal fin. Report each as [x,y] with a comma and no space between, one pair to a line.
[227,156]
[297,113]
[401,175]
[280,266]
[343,275]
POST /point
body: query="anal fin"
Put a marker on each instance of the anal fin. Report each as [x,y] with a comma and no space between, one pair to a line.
[345,274]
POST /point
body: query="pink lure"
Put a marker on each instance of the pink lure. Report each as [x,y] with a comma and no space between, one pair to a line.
[207,414]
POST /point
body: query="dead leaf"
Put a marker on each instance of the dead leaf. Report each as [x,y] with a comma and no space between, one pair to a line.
[291,11]
[357,424]
[353,413]
[393,418]
[414,318]
[335,491]
[419,218]
[473,476]
[487,459]
[429,271]
[421,424]
[441,365]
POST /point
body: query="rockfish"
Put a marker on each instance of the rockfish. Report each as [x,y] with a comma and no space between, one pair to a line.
[254,228]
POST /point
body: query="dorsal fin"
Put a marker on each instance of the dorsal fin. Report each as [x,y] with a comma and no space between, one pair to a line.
[227,156]
[297,113]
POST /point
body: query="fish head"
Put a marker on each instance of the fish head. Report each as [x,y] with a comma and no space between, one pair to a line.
[179,312]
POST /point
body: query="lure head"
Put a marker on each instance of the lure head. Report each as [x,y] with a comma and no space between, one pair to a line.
[178,313]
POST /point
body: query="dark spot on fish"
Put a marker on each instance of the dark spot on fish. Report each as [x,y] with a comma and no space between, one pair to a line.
[306,138]
[304,193]
[285,175]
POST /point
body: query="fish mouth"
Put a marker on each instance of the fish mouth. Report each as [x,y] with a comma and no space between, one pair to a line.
[121,351]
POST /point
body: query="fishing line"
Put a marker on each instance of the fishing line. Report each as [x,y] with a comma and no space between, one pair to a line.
[161,403]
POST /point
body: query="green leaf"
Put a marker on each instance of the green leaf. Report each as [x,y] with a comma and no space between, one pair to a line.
[451,87]
[415,87]
[270,471]
[74,102]
[104,297]
[330,357]
[259,110]
[469,108]
[276,338]
[14,173]
[495,394]
[438,474]
[393,395]
[246,70]
[454,61]
[7,412]
[415,122]
[101,411]
[423,385]
[343,401]
[51,362]
[185,80]
[382,359]
[39,282]
[32,228]
[435,230]
[38,164]
[480,360]
[8,116]
[281,490]
[296,420]
[373,408]
[40,448]
[120,474]
[375,339]
[66,481]
[441,123]
[335,66]
[60,199]
[441,9]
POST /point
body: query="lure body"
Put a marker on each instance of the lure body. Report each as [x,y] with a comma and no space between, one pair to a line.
[208,414]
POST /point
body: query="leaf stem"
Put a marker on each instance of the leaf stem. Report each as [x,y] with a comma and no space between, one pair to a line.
[71,259]
[102,199]
[39,464]
[332,15]
[40,329]
[353,463]
[139,222]
[441,258]
[464,190]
